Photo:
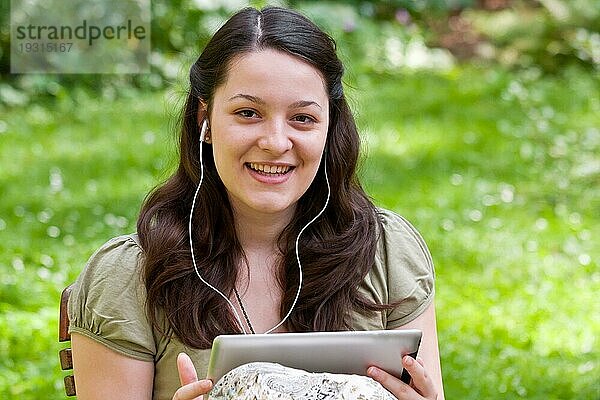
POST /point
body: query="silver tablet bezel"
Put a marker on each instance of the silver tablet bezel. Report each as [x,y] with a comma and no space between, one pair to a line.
[349,352]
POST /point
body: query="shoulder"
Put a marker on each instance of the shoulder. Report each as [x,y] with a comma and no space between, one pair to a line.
[118,249]
[399,241]
[116,259]
[107,301]
[403,272]
[115,266]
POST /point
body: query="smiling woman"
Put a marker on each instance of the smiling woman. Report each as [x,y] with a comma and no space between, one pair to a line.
[264,218]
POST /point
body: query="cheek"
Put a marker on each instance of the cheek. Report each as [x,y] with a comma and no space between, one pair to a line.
[313,153]
[227,143]
[321,146]
[224,159]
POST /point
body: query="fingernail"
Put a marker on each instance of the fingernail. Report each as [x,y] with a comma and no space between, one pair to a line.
[205,383]
[408,360]
[372,372]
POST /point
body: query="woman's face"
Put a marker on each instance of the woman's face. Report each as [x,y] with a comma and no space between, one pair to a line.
[268,126]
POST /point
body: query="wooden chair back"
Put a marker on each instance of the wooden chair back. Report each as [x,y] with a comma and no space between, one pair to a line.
[66,359]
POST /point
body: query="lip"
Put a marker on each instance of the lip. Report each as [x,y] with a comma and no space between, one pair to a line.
[270,179]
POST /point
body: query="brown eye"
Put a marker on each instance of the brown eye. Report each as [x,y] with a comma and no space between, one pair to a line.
[304,119]
[247,114]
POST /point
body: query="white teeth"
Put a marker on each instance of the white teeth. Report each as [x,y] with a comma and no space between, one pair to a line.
[270,169]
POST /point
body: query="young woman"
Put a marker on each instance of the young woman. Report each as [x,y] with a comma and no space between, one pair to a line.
[265,188]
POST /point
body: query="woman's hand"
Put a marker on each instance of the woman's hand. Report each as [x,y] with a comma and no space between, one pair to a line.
[191,388]
[421,385]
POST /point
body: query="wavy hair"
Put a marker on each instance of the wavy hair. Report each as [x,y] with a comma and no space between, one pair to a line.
[337,251]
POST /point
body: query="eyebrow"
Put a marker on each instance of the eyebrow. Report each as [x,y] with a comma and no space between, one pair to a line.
[253,99]
[258,100]
[304,103]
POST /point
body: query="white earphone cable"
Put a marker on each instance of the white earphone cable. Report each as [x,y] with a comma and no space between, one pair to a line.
[298,256]
[237,316]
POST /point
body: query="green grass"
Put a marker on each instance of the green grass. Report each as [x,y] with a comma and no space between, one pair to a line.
[499,171]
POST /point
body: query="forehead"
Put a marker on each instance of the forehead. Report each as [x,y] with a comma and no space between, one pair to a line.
[273,74]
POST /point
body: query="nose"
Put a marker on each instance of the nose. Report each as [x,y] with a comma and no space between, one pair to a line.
[275,139]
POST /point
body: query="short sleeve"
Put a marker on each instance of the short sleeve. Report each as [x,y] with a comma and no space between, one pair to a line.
[107,300]
[403,272]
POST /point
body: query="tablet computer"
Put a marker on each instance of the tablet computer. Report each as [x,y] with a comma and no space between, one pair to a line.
[348,352]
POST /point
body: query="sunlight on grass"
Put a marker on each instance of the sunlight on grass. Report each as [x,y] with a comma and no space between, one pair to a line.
[488,169]
[498,170]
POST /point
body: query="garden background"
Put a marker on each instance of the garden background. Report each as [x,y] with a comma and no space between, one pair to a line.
[481,122]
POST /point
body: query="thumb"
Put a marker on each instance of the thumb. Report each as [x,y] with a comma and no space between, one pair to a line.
[186,369]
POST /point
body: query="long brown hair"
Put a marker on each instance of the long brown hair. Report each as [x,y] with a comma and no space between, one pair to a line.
[337,250]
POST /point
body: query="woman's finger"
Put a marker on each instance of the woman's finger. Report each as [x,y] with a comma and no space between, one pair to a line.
[186,369]
[420,380]
[191,388]
[194,390]
[401,390]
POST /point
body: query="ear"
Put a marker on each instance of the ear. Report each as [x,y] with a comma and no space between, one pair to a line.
[202,121]
[202,112]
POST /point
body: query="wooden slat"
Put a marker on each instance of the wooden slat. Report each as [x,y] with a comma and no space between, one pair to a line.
[70,385]
[66,359]
[63,326]
[65,356]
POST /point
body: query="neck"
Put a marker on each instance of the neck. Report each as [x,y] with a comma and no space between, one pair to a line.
[258,231]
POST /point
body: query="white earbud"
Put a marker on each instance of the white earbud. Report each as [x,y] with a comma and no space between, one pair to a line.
[203,130]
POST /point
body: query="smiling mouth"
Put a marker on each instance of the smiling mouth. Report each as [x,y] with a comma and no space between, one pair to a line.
[265,169]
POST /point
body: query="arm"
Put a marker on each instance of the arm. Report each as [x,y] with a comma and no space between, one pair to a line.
[429,353]
[427,373]
[101,373]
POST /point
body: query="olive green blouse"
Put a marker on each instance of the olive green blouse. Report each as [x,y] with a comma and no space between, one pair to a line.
[107,300]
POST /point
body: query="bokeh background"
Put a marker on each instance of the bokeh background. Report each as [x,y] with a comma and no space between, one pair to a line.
[481,121]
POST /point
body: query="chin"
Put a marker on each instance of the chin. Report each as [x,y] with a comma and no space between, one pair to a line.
[273,209]
[269,206]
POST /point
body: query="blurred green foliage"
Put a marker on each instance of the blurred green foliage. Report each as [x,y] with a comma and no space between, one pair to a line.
[553,35]
[549,34]
[499,171]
